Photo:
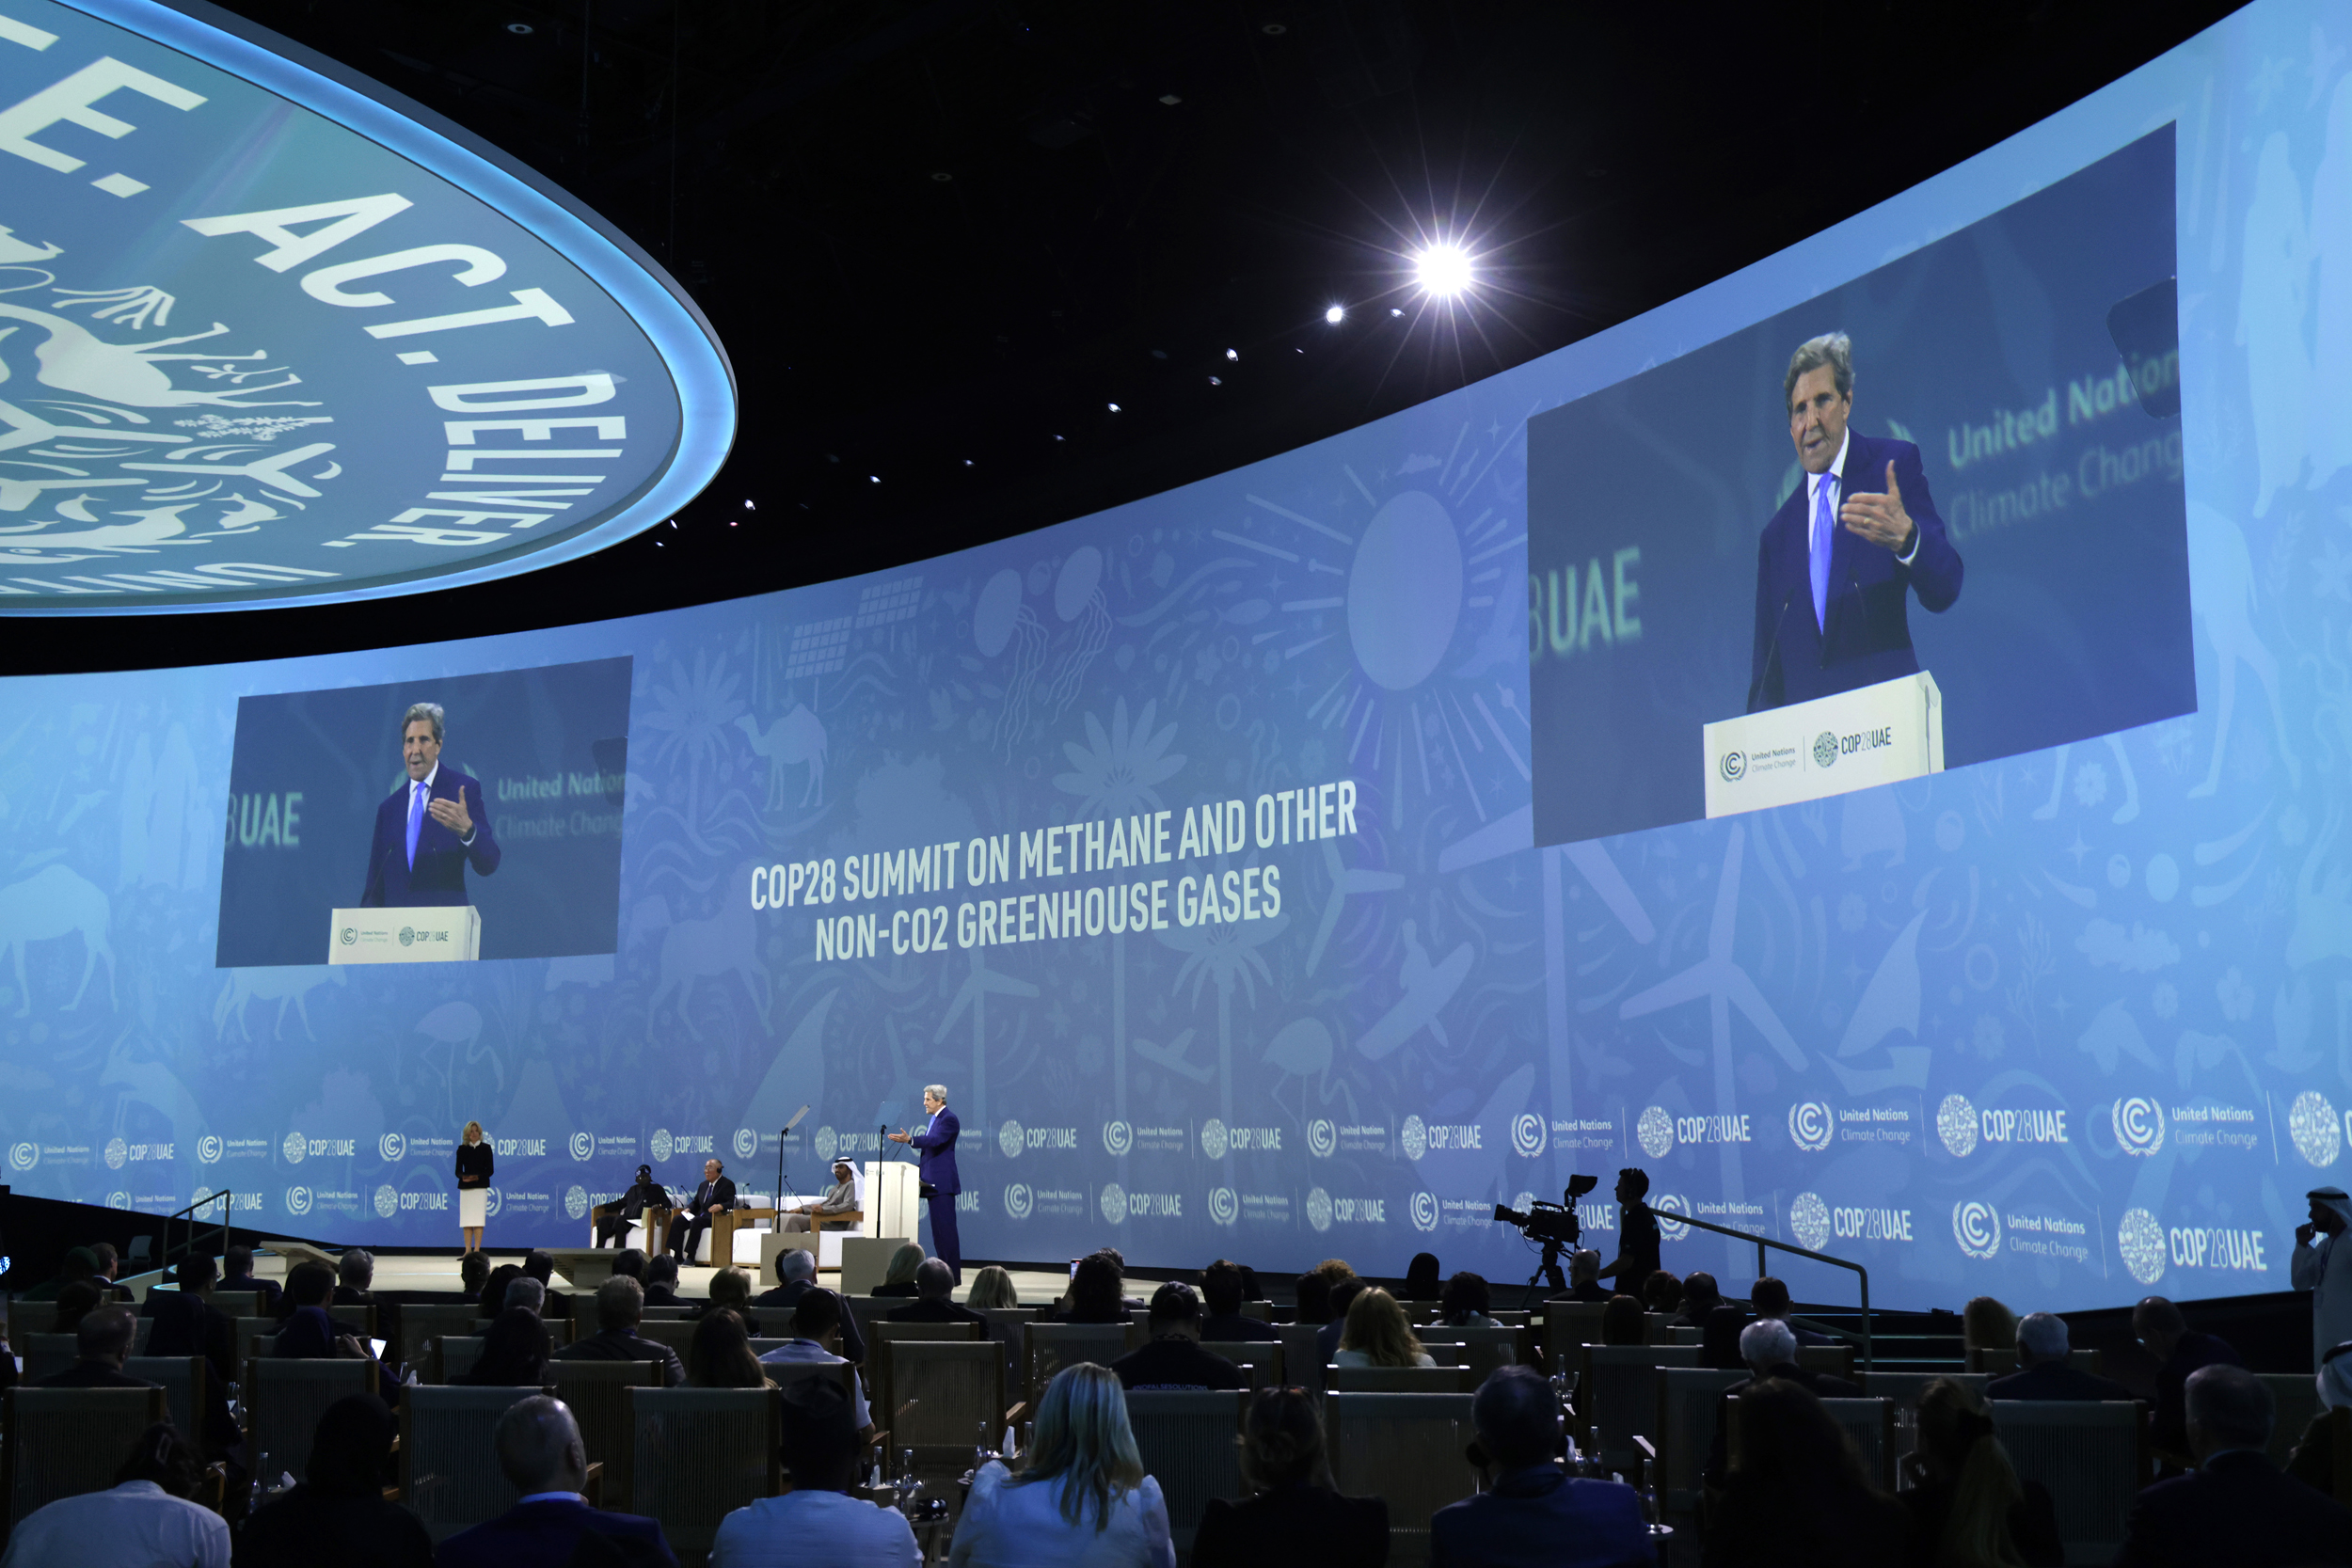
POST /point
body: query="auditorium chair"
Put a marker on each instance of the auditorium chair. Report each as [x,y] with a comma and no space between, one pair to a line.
[283,1401]
[1836,1359]
[699,1455]
[1902,1389]
[2093,1454]
[2295,1397]
[1398,1380]
[453,1356]
[449,1475]
[1617,1395]
[1047,1348]
[47,1354]
[240,1343]
[945,1400]
[236,1303]
[1869,1424]
[1482,1350]
[1261,1359]
[1190,1443]
[422,1323]
[598,1393]
[1689,1401]
[2000,1363]
[1407,1450]
[1567,1325]
[1301,1355]
[181,1379]
[63,1442]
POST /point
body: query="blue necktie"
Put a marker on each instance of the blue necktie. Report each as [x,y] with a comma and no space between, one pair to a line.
[1821,542]
[416,791]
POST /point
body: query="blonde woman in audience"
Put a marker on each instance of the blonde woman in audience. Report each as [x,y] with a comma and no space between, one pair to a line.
[1378,1334]
[1968,1510]
[1082,1499]
[992,1287]
[899,1279]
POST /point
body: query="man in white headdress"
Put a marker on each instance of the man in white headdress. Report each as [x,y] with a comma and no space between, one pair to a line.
[2325,1269]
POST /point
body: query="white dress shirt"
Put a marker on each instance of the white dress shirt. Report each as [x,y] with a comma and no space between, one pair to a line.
[136,1524]
[1022,1526]
[814,1529]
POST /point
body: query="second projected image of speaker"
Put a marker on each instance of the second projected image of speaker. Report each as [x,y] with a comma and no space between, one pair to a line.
[1955,481]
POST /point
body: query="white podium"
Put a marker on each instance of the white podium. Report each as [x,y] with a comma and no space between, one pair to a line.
[433,933]
[893,1201]
[1875,734]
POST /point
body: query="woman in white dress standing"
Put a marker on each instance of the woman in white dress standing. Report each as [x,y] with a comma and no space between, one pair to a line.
[474,1169]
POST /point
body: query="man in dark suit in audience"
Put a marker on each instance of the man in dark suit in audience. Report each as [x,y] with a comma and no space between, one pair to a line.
[2043,1371]
[714,1196]
[2180,1350]
[236,1273]
[1769,1297]
[540,1450]
[796,1276]
[1769,1347]
[102,1340]
[620,1307]
[1533,1511]
[934,1300]
[661,1281]
[1221,1287]
[2236,1507]
[1174,1358]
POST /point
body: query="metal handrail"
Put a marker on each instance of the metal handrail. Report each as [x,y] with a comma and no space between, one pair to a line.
[227,1211]
[1667,1216]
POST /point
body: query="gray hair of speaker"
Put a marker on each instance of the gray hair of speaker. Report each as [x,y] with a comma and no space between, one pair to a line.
[935,1092]
[1768,1342]
[430,712]
[357,1268]
[1834,349]
[2042,1337]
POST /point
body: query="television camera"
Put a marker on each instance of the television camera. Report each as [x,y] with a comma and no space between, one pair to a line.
[1553,1225]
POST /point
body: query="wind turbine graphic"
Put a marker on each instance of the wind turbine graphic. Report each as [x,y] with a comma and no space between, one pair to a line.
[974,994]
[1345,881]
[1723,984]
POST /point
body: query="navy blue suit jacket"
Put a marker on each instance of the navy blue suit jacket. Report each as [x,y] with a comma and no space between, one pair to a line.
[440,875]
[939,1152]
[2239,1509]
[545,1534]
[1541,1517]
[1865,637]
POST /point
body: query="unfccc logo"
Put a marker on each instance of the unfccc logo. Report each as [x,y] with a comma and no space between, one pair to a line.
[208,1150]
[1318,1208]
[1413,1138]
[1810,1125]
[118,1200]
[1212,1139]
[1956,1124]
[1656,1130]
[583,1147]
[1666,1205]
[746,1143]
[2312,1123]
[386,1200]
[25,1156]
[1735,766]
[1529,1134]
[1976,1226]
[1018,1201]
[1323,1138]
[1114,1203]
[392,1147]
[2140,1238]
[293,1149]
[2138,1127]
[493,1202]
[297,1200]
[1808,1221]
[1424,1211]
[1224,1207]
[1118,1138]
[1008,1138]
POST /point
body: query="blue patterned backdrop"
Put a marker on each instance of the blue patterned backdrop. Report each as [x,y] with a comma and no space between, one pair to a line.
[2065,1026]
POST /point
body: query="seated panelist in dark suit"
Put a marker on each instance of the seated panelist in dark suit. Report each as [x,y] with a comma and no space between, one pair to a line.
[540,1450]
[715,1196]
[1293,1515]
[934,1301]
[1837,564]
[2043,1372]
[2236,1507]
[428,831]
[614,1218]
[103,1341]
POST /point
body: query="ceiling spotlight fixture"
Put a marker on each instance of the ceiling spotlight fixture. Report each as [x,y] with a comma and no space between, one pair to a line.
[749,507]
[873,479]
[1335,314]
[520,29]
[1232,353]
[942,175]
[1171,99]
[1394,311]
[1114,409]
[1274,29]
[1215,381]
[1443,269]
[967,462]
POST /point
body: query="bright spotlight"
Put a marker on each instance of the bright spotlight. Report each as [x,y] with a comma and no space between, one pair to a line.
[1335,315]
[1442,269]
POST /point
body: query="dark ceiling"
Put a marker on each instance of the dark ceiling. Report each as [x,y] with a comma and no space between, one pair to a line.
[939,238]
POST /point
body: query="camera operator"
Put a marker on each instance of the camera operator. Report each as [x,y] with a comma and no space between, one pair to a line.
[1637,1233]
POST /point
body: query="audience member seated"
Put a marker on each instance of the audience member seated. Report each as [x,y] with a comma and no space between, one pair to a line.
[720,1356]
[1770,1298]
[796,1273]
[307,1333]
[109,1270]
[515,1350]
[74,1302]
[473,1273]
[494,1289]
[102,1340]
[1966,1504]
[186,1325]
[2179,1350]
[2236,1507]
[1174,1358]
[1422,1278]
[1662,1292]
[630,1262]
[539,1265]
[354,1273]
[147,1519]
[817,1323]
[1585,1277]
[1799,1495]
[1082,1499]
[1622,1322]
[1313,1299]
[1097,1292]
[528,1293]
[817,1525]
[1534,1514]
[1700,1297]
[337,1513]
[934,1303]
[991,1288]
[899,1280]
[2042,1371]
[1719,1341]
[1222,1317]
[661,1281]
[1985,1323]
[78,1266]
[1378,1334]
[1343,1295]
[1292,1513]
[2314,1459]
[620,1305]
[731,1291]
[1768,1347]
[236,1273]
[1467,1301]
[540,1450]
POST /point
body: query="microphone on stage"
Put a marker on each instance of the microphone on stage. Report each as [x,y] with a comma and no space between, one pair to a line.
[1764,677]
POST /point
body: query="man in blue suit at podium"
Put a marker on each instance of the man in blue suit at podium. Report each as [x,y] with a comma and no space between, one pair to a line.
[938,1143]
[1839,562]
[431,829]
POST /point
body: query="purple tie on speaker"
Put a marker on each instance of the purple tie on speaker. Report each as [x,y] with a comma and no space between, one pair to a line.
[1822,539]
[416,791]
